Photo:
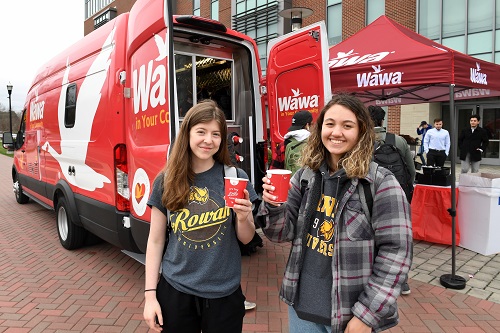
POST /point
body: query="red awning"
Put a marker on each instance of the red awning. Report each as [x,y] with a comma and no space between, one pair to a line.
[386,63]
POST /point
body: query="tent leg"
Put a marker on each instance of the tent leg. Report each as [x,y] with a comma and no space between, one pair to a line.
[453,281]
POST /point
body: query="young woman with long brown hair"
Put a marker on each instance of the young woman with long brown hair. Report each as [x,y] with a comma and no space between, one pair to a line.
[349,254]
[199,287]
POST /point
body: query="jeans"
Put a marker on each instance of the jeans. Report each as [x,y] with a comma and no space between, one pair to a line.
[474,165]
[297,325]
[421,152]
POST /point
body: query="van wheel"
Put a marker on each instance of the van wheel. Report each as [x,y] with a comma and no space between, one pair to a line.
[71,235]
[21,198]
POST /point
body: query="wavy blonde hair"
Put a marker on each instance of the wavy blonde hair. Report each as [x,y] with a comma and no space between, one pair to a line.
[355,162]
[178,174]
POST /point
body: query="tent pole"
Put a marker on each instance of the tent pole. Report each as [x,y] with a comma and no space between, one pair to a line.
[453,281]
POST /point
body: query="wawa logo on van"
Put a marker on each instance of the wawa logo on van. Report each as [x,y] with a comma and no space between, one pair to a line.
[36,108]
[378,78]
[476,76]
[149,84]
[297,101]
[351,58]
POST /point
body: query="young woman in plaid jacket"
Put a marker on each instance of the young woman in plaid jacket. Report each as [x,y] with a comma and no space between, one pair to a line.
[349,255]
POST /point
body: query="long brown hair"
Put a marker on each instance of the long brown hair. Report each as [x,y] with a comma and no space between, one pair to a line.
[355,162]
[178,174]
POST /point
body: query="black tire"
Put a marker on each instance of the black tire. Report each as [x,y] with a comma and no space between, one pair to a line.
[71,235]
[21,198]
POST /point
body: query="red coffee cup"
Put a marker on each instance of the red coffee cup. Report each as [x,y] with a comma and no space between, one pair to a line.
[234,189]
[280,179]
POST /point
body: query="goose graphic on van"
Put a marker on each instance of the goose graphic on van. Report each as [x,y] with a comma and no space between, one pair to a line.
[74,140]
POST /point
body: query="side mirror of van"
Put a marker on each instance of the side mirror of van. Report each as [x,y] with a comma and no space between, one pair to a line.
[7,140]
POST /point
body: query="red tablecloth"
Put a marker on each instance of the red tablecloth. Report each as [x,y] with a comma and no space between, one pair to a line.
[429,214]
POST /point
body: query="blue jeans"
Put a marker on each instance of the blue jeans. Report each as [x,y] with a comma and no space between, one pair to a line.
[297,325]
[421,152]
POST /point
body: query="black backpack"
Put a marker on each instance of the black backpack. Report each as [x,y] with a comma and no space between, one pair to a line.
[387,155]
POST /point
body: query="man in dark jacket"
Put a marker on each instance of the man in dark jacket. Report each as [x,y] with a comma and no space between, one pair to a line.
[472,142]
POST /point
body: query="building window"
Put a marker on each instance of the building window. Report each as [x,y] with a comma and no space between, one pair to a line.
[480,16]
[454,18]
[259,20]
[196,7]
[374,8]
[334,21]
[94,6]
[214,10]
[429,19]
[468,26]
[104,18]
[497,15]
[479,45]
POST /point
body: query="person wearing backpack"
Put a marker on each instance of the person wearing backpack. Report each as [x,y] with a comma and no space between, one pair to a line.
[402,166]
[287,153]
[347,260]
[378,115]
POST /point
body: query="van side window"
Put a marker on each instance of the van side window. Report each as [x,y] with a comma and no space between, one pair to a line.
[22,130]
[70,109]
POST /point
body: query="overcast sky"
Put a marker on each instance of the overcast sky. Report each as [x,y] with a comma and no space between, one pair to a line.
[32,32]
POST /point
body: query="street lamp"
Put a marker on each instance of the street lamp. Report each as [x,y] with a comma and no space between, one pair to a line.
[9,90]
[296,14]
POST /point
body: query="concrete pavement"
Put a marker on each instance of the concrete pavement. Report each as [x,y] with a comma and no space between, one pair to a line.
[45,288]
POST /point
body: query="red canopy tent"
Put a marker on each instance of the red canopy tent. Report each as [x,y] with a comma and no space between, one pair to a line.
[386,63]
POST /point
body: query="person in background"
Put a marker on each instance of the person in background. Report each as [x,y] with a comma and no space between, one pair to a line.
[347,262]
[192,293]
[297,132]
[421,130]
[378,115]
[472,142]
[437,144]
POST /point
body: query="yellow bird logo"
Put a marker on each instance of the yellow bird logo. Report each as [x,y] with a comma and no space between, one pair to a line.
[198,195]
[326,230]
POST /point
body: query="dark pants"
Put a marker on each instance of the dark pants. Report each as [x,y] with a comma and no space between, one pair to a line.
[183,313]
[436,157]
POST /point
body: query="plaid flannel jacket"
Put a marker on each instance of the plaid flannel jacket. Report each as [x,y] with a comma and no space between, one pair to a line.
[374,253]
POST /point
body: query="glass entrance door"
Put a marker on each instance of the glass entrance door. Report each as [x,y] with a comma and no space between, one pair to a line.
[490,121]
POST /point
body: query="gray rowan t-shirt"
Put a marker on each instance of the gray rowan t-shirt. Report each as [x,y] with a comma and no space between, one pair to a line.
[202,257]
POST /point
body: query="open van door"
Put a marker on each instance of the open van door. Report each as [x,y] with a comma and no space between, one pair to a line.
[297,77]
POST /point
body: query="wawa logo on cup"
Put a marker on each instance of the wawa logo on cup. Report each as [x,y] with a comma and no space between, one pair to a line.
[280,179]
[234,189]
